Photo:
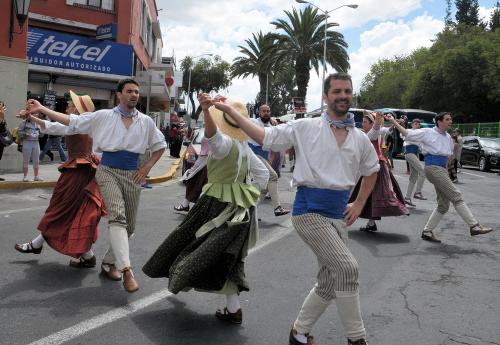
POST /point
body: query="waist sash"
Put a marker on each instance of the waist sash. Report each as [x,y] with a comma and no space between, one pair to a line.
[411,149]
[326,202]
[124,160]
[441,161]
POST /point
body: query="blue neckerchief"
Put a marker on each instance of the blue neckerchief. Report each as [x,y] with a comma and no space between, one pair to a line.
[347,122]
[124,113]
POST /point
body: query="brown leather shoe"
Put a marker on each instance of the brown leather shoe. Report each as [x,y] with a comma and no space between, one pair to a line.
[129,282]
[357,342]
[225,315]
[29,249]
[429,236]
[82,263]
[109,271]
[293,341]
[479,229]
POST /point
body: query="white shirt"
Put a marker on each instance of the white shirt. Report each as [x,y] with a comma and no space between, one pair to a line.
[259,123]
[320,162]
[433,142]
[377,133]
[220,146]
[110,134]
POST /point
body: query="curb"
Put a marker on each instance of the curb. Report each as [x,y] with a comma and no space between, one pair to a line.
[170,175]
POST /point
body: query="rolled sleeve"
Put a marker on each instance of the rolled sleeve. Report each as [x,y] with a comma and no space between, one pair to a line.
[156,138]
[373,134]
[278,138]
[369,161]
[55,128]
[81,124]
[417,135]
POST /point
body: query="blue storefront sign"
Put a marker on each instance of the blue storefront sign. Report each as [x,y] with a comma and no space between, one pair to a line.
[55,49]
[106,32]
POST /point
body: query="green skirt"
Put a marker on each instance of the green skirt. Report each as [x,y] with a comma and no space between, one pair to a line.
[211,262]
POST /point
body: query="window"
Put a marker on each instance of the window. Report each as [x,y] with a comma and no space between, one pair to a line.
[104,4]
[147,29]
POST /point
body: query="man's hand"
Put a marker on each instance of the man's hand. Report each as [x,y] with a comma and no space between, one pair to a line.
[3,109]
[352,212]
[205,101]
[140,175]
[23,114]
[273,122]
[33,106]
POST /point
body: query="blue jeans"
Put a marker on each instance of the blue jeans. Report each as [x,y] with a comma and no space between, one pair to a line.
[48,145]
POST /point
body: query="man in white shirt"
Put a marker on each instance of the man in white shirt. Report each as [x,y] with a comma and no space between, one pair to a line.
[438,147]
[121,134]
[330,155]
[417,173]
[264,120]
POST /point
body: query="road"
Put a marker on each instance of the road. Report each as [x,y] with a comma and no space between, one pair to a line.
[412,292]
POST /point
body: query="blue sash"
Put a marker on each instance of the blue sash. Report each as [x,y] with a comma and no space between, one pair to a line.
[259,151]
[326,202]
[411,149]
[124,160]
[441,161]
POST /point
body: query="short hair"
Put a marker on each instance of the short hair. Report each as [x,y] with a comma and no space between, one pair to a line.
[121,84]
[457,130]
[264,105]
[440,116]
[416,120]
[335,76]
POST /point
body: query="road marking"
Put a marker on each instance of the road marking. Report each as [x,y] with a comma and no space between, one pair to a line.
[119,313]
[23,210]
[463,172]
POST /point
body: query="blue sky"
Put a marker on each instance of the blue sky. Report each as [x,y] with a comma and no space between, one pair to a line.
[376,29]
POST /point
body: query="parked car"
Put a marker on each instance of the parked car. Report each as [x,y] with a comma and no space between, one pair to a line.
[481,152]
[193,148]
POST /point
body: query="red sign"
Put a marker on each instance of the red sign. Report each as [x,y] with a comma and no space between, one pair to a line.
[169,81]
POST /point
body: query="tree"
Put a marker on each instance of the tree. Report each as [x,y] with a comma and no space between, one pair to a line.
[259,60]
[467,12]
[302,41]
[495,18]
[447,18]
[206,75]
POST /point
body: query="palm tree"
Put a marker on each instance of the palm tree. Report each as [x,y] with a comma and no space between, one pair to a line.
[258,60]
[303,40]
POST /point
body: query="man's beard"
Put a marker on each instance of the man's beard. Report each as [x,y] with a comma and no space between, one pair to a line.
[265,119]
[333,107]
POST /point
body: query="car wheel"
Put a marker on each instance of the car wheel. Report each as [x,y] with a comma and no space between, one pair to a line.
[483,164]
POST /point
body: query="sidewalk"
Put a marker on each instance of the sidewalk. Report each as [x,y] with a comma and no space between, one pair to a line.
[164,170]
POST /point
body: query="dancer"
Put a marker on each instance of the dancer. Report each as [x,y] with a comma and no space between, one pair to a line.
[206,251]
[417,173]
[195,178]
[121,134]
[70,223]
[438,148]
[386,199]
[264,120]
[330,154]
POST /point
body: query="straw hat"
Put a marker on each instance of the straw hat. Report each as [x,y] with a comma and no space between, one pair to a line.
[226,124]
[83,103]
[369,115]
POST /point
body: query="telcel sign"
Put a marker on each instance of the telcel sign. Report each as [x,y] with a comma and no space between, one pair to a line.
[55,49]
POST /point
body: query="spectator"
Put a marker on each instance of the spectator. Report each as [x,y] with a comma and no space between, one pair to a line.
[29,132]
[5,136]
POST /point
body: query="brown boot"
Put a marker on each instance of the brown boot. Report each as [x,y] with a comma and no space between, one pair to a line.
[225,315]
[111,272]
[479,229]
[129,282]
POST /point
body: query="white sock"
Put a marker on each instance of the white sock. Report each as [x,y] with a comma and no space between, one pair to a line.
[88,255]
[37,242]
[185,203]
[233,303]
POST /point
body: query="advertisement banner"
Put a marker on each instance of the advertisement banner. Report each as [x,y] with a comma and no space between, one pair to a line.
[61,50]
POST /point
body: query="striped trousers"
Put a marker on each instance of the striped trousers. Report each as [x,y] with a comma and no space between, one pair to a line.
[337,277]
[417,174]
[446,193]
[121,196]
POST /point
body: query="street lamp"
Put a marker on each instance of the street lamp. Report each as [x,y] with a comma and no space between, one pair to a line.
[20,9]
[324,41]
[189,79]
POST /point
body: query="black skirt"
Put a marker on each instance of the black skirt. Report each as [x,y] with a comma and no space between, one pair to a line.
[204,263]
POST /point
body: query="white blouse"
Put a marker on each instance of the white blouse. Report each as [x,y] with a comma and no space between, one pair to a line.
[110,134]
[220,146]
[432,141]
[320,162]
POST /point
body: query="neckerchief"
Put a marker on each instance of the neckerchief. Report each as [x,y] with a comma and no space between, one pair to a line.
[347,122]
[125,113]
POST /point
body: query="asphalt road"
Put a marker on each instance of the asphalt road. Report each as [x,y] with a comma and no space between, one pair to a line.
[413,292]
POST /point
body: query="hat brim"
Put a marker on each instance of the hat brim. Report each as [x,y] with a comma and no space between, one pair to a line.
[83,103]
[226,124]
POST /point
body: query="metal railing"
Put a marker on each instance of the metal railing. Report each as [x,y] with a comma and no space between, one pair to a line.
[482,129]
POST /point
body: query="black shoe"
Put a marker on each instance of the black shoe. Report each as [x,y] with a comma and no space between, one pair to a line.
[479,229]
[409,203]
[2,179]
[280,211]
[225,315]
[357,342]
[180,208]
[429,236]
[30,248]
[371,228]
[83,263]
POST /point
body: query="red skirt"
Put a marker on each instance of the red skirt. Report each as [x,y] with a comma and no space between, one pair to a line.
[70,223]
[386,199]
